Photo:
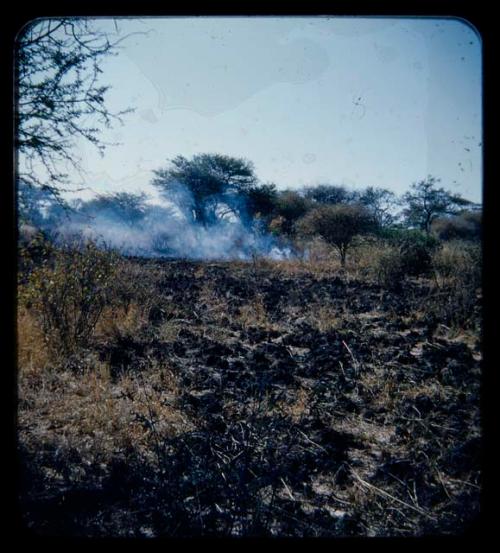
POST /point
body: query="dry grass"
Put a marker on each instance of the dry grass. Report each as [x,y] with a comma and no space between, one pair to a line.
[33,354]
[298,407]
[367,259]
[116,320]
[90,411]
[254,314]
[324,317]
[212,303]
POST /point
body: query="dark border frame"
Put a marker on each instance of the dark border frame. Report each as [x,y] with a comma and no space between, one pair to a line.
[474,13]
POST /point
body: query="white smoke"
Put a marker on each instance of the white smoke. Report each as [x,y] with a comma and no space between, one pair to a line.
[170,233]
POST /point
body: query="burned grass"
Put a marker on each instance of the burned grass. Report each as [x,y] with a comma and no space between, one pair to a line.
[255,399]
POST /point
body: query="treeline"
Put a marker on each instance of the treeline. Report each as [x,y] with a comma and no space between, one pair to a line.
[212,190]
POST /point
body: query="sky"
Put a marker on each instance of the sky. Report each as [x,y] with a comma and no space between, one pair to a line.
[354,101]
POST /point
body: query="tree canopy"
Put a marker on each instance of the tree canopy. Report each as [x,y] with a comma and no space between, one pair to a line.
[208,186]
[424,203]
[125,206]
[329,194]
[381,203]
[337,225]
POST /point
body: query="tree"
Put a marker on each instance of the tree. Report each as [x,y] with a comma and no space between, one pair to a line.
[207,187]
[337,225]
[261,199]
[291,206]
[381,203]
[424,203]
[329,194]
[122,206]
[59,98]
[32,204]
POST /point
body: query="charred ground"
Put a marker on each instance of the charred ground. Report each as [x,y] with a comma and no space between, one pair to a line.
[254,399]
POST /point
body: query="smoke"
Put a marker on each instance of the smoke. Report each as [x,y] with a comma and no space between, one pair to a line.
[169,231]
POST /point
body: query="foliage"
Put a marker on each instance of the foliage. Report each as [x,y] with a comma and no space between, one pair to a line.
[381,203]
[424,203]
[261,200]
[329,194]
[68,291]
[31,201]
[201,186]
[59,96]
[457,268]
[465,226]
[337,225]
[127,207]
[291,206]
[389,268]
[414,249]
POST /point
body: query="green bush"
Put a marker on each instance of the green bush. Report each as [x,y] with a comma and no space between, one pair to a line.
[68,291]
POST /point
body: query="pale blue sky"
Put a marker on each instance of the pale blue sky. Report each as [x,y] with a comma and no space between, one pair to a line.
[361,102]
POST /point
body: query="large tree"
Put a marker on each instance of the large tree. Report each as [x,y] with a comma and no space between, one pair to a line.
[208,186]
[59,97]
[425,202]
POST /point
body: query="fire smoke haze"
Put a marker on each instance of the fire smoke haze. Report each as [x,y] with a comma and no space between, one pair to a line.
[165,231]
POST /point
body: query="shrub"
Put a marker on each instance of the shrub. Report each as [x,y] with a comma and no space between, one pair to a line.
[415,250]
[466,226]
[389,268]
[457,273]
[68,291]
[33,248]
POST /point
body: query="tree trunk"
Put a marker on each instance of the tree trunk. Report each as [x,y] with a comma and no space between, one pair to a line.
[343,252]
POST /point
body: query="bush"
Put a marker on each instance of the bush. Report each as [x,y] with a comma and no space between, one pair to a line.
[466,226]
[457,273]
[68,291]
[389,268]
[415,249]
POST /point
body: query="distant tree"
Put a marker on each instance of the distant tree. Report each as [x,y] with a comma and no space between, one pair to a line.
[424,203]
[126,207]
[290,207]
[59,98]
[258,206]
[330,194]
[207,186]
[262,199]
[32,204]
[337,225]
[381,203]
